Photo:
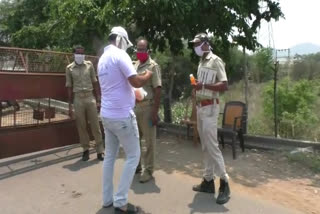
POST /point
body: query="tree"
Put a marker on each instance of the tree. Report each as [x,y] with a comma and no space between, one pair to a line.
[59,24]
[159,21]
[24,23]
[262,63]
[306,67]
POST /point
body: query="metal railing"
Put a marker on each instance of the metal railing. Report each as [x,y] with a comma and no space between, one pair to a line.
[36,61]
[30,112]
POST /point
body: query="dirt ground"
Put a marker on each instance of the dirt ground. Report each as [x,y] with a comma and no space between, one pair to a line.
[266,175]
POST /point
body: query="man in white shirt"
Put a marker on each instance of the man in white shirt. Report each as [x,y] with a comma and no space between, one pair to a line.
[117,77]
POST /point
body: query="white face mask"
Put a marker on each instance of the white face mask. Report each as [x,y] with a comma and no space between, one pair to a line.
[79,58]
[121,43]
[199,51]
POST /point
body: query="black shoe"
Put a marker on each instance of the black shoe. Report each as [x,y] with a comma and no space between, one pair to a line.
[139,169]
[131,209]
[100,156]
[85,155]
[205,186]
[224,192]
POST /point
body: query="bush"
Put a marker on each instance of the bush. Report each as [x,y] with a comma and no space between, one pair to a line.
[295,107]
[311,161]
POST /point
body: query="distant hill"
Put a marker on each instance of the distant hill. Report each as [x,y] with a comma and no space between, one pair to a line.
[302,49]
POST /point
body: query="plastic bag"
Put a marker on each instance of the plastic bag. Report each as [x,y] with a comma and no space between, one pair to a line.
[140,94]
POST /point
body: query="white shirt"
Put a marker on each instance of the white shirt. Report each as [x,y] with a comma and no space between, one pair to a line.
[210,70]
[117,95]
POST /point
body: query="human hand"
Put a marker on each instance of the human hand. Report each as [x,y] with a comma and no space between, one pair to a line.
[154,118]
[71,112]
[198,86]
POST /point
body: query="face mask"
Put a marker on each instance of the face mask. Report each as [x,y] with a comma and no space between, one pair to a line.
[199,51]
[142,57]
[79,58]
[121,43]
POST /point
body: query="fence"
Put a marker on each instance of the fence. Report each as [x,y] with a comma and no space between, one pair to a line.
[32,112]
[28,73]
[36,61]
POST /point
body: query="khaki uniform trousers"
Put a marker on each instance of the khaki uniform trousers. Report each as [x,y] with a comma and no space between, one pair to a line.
[207,124]
[85,104]
[147,134]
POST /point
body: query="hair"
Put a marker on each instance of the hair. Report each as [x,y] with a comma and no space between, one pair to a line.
[75,47]
[112,37]
[143,38]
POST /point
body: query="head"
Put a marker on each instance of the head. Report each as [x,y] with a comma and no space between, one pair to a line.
[79,56]
[201,44]
[119,37]
[142,50]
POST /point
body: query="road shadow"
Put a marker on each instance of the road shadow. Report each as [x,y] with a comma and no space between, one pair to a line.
[205,203]
[22,165]
[79,164]
[251,168]
[143,188]
[110,210]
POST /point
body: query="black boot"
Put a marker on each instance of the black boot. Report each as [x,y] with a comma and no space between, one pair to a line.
[205,186]
[139,169]
[100,156]
[85,155]
[224,192]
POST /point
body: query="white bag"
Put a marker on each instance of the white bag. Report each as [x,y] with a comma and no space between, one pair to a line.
[140,93]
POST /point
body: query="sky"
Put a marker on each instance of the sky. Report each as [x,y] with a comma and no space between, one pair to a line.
[301,25]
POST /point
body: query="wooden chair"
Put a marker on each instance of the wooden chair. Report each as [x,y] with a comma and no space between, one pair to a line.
[234,124]
[191,121]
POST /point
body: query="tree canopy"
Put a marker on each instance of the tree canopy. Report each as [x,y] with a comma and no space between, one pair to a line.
[59,24]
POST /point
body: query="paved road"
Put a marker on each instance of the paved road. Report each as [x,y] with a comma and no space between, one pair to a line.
[60,183]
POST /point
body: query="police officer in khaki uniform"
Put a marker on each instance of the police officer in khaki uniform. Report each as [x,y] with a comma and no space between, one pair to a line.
[211,79]
[81,81]
[147,110]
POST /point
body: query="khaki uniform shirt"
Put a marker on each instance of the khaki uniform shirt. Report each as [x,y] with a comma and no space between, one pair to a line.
[210,70]
[154,81]
[80,77]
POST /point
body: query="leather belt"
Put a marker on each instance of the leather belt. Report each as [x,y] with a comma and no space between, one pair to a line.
[83,93]
[207,102]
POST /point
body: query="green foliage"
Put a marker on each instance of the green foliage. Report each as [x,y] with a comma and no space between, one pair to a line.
[179,111]
[24,19]
[163,22]
[306,67]
[311,161]
[295,107]
[261,65]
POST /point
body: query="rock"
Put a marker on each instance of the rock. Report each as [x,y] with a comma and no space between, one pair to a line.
[302,150]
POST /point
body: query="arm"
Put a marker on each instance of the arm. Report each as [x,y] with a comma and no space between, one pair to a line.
[96,91]
[130,72]
[70,100]
[69,86]
[97,94]
[138,81]
[219,86]
[156,105]
[95,83]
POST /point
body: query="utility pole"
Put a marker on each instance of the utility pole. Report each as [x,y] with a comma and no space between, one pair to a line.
[276,66]
[275,100]
[246,83]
